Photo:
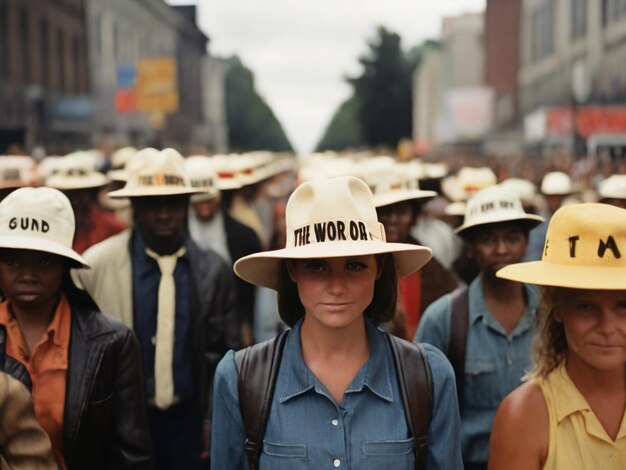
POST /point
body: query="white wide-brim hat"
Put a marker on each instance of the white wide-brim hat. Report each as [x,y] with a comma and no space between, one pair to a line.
[326,218]
[585,248]
[39,219]
[154,172]
[493,205]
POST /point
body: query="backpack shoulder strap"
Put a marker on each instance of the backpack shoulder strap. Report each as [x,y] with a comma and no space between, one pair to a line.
[413,372]
[257,367]
[457,343]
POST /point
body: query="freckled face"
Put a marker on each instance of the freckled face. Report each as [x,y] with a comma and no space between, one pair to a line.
[595,327]
[335,291]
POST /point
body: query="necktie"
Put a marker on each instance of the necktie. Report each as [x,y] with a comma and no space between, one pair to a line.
[164,353]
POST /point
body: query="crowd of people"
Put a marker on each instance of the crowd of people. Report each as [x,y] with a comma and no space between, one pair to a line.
[265,311]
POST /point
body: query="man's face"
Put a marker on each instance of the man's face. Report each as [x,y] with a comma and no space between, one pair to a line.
[495,246]
[161,219]
[206,210]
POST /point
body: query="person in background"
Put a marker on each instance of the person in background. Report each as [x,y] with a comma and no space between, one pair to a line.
[213,228]
[83,366]
[178,298]
[612,190]
[24,445]
[81,183]
[556,187]
[571,413]
[337,398]
[398,206]
[493,318]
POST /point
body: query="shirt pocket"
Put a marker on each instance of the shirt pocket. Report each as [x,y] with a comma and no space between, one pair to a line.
[481,384]
[389,454]
[283,456]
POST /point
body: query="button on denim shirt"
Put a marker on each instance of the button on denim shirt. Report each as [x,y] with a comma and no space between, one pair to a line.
[495,361]
[307,429]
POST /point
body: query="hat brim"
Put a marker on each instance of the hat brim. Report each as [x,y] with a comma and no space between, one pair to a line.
[565,275]
[153,191]
[263,269]
[68,183]
[383,200]
[530,221]
[39,244]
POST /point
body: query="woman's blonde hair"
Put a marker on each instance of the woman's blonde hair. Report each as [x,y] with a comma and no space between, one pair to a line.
[549,344]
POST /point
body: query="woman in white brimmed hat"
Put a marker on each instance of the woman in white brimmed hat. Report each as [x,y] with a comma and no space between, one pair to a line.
[399,202]
[572,410]
[83,366]
[337,400]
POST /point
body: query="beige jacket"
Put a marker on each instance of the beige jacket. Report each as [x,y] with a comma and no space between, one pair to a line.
[24,445]
[109,280]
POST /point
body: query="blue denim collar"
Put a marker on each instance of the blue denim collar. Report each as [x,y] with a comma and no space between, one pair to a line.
[295,377]
[478,310]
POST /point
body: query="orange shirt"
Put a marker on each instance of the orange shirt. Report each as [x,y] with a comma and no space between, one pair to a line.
[47,366]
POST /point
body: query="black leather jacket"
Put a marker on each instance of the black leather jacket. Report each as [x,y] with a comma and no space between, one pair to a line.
[105,424]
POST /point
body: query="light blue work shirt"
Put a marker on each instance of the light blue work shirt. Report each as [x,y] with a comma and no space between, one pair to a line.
[495,361]
[307,429]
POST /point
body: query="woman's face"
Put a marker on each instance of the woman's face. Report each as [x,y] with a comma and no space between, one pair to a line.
[30,278]
[335,291]
[595,327]
[398,219]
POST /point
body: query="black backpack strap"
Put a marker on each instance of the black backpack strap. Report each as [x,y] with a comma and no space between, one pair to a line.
[258,367]
[414,377]
[457,343]
[10,365]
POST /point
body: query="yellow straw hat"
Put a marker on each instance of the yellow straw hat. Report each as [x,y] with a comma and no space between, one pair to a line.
[585,248]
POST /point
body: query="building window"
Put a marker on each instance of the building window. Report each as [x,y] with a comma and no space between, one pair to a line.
[578,24]
[542,31]
[44,53]
[76,58]
[24,26]
[4,41]
[61,58]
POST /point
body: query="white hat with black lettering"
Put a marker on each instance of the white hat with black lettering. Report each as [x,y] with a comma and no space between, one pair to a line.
[325,218]
[39,219]
[153,172]
[495,204]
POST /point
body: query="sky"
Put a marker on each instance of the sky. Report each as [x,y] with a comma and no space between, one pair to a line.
[301,52]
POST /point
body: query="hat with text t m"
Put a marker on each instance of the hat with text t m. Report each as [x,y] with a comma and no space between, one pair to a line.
[585,248]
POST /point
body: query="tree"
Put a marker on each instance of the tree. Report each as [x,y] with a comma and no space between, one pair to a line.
[343,131]
[252,124]
[383,92]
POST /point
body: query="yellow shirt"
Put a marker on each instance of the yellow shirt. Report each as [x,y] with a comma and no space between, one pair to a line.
[577,439]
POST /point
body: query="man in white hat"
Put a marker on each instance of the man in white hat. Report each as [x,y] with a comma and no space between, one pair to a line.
[556,187]
[486,328]
[178,298]
[212,227]
[398,205]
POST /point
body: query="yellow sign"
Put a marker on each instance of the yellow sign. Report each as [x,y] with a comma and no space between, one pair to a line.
[156,85]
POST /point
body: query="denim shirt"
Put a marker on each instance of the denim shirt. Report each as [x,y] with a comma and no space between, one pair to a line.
[495,361]
[307,429]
